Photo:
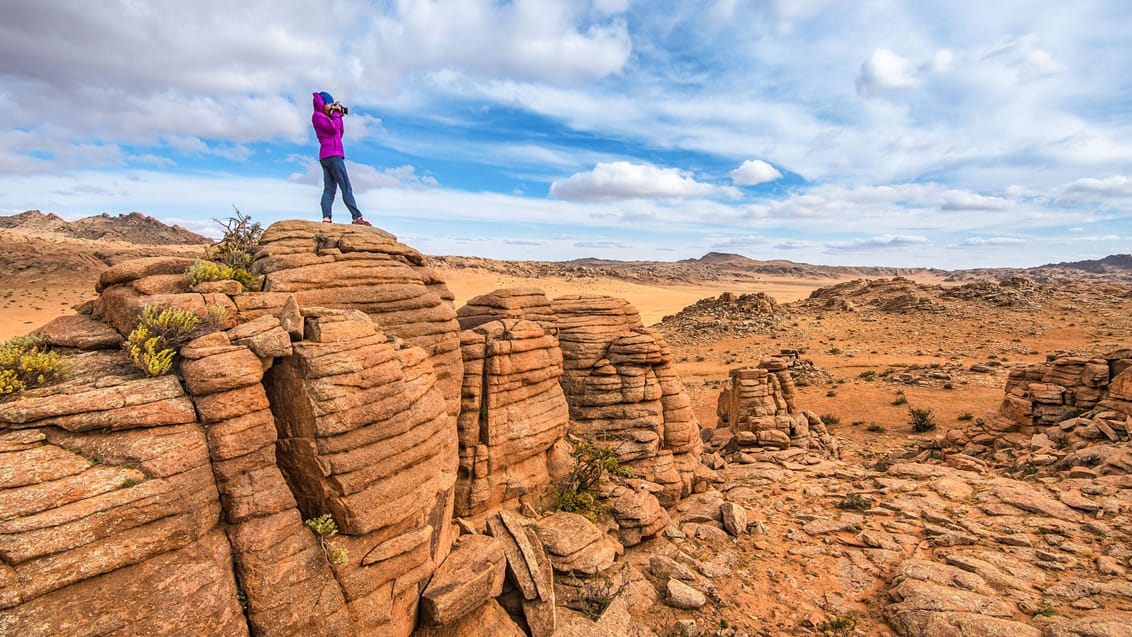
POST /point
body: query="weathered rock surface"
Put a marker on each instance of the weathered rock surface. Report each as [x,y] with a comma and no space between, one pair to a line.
[760,402]
[618,380]
[512,412]
[1073,411]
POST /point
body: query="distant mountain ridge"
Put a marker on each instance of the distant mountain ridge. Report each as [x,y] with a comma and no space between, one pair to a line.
[133,227]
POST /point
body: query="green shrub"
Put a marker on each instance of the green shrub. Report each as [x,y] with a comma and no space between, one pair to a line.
[325,528]
[201,271]
[25,362]
[580,491]
[966,416]
[829,419]
[901,399]
[154,342]
[875,428]
[922,420]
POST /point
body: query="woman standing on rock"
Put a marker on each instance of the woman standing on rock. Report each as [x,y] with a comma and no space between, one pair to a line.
[327,121]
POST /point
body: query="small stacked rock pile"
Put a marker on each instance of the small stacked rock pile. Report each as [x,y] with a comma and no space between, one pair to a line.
[1072,411]
[729,315]
[1015,292]
[896,295]
[758,410]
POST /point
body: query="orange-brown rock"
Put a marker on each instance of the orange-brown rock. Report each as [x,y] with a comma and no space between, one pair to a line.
[758,408]
[513,410]
[618,382]
[362,268]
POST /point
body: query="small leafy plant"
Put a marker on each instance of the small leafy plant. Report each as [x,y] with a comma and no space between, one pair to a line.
[26,362]
[238,245]
[580,490]
[829,419]
[325,528]
[855,502]
[201,271]
[159,333]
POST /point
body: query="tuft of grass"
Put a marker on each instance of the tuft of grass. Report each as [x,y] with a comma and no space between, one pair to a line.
[965,416]
[838,625]
[855,502]
[829,419]
[922,420]
[901,399]
[26,362]
[875,428]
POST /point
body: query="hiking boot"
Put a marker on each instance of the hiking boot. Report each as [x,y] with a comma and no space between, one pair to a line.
[361,222]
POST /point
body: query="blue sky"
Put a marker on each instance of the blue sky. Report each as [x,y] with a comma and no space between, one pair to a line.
[941,134]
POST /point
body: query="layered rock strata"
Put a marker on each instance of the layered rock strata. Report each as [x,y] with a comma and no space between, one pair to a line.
[619,382]
[758,410]
[366,269]
[1069,411]
[512,412]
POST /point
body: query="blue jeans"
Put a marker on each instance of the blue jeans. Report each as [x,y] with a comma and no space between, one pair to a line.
[333,176]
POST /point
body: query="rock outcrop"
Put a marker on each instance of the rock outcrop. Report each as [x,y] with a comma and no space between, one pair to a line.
[299,471]
[1072,411]
[159,505]
[758,410]
[618,380]
[512,412]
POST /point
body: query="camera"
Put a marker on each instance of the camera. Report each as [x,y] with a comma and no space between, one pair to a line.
[341,108]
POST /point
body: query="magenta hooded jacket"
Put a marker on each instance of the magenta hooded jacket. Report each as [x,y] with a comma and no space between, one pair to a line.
[328,129]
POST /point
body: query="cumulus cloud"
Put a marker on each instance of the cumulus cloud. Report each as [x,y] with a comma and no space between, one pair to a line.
[625,180]
[885,71]
[1114,186]
[753,172]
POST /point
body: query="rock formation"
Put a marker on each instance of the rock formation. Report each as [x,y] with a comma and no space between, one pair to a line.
[614,373]
[512,412]
[758,410]
[618,380]
[1070,411]
[299,471]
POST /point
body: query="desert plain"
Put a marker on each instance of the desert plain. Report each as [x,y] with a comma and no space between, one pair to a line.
[868,349]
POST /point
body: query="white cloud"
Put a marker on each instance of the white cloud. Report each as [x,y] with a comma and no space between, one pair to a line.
[993,241]
[1115,186]
[885,71]
[364,177]
[625,180]
[753,172]
[962,200]
[877,243]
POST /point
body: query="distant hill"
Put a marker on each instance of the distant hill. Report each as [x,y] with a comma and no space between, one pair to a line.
[134,227]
